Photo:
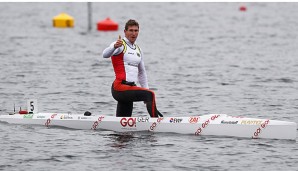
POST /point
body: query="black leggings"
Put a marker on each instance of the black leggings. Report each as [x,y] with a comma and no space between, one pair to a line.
[126,98]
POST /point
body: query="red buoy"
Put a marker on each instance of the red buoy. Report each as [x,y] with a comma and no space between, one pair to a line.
[107,25]
[242,8]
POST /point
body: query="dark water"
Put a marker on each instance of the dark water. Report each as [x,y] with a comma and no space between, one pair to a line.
[200,58]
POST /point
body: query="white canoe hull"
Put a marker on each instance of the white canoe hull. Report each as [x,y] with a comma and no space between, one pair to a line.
[213,124]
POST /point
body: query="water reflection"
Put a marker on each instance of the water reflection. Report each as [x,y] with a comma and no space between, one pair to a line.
[121,140]
[130,139]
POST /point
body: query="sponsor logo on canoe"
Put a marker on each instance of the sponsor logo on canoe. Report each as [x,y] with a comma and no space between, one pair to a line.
[40,117]
[228,122]
[154,124]
[143,119]
[82,117]
[251,122]
[193,120]
[48,122]
[259,130]
[130,122]
[176,120]
[28,116]
[66,117]
[205,124]
[96,123]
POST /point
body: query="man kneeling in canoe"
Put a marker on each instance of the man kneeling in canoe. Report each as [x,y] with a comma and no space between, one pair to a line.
[129,68]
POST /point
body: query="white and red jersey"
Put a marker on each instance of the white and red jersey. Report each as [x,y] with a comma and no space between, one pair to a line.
[127,62]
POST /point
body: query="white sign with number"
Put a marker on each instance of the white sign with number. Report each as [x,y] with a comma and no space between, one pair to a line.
[32,106]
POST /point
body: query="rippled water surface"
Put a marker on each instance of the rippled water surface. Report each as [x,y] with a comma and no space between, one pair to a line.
[200,57]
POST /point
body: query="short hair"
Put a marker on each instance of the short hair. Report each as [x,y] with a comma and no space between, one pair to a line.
[131,22]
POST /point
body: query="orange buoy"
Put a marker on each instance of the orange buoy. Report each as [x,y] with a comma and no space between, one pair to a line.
[107,25]
[242,8]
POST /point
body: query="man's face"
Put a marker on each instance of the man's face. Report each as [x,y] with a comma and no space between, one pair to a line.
[132,33]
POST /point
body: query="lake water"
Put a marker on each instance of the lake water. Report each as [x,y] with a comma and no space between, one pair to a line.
[201,58]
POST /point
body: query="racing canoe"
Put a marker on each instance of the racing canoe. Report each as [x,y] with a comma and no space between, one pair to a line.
[211,124]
